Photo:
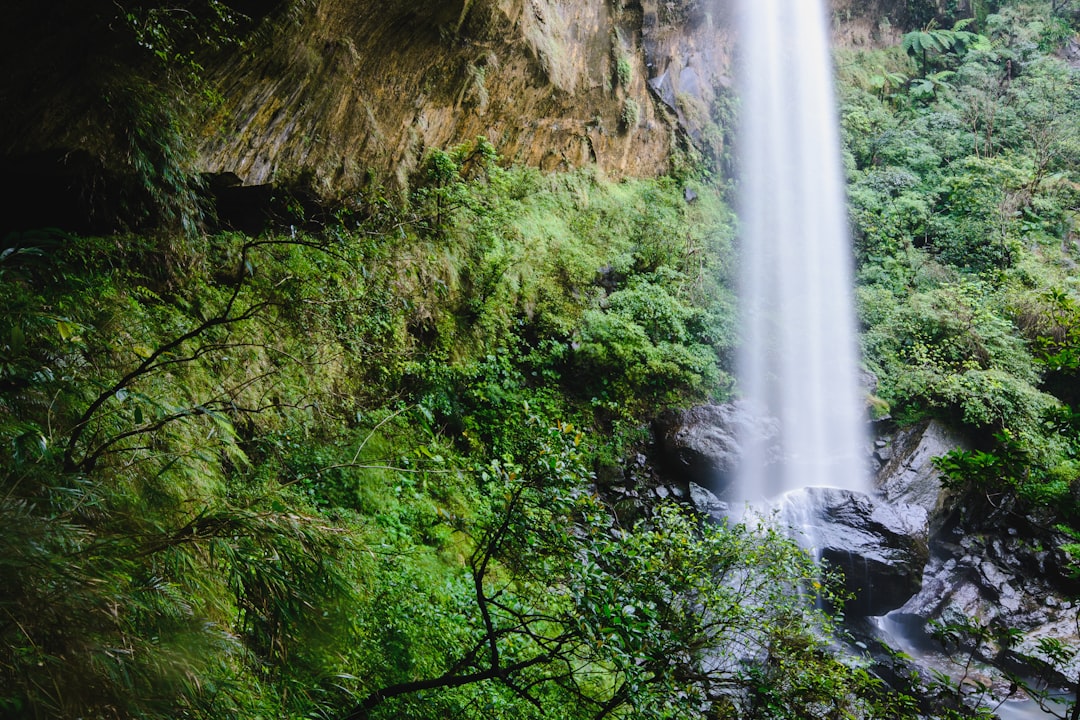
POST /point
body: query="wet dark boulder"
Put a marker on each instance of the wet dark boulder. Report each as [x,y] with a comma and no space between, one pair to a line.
[880,549]
[702,445]
[707,504]
[1009,576]
[908,475]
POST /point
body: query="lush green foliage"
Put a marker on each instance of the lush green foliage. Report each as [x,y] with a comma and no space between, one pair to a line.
[963,198]
[616,292]
[295,474]
[353,473]
[579,617]
[225,494]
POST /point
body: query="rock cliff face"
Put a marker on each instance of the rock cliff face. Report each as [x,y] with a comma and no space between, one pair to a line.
[335,94]
[996,567]
[342,90]
[347,88]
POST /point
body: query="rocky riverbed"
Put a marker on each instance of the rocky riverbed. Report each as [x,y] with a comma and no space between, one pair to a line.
[922,562]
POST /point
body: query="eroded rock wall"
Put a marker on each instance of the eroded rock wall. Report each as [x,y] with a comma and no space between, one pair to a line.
[348,88]
[337,91]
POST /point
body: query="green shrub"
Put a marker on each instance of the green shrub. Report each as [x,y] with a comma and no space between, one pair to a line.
[947,348]
[623,71]
[630,115]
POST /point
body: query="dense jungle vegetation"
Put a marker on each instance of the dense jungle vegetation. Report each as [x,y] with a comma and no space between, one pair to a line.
[354,465]
[963,194]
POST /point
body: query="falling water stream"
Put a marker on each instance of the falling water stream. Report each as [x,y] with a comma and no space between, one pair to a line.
[798,360]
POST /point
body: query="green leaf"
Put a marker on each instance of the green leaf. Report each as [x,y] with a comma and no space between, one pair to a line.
[66,329]
[17,339]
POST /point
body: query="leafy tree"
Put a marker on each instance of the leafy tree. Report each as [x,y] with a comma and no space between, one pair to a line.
[930,84]
[933,41]
[1048,95]
[1044,661]
[166,574]
[577,616]
[887,83]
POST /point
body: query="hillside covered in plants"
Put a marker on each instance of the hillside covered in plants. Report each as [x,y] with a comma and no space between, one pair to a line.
[379,449]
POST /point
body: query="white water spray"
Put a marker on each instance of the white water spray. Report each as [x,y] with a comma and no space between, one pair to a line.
[798,361]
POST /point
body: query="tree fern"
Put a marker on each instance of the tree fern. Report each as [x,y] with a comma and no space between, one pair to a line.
[932,40]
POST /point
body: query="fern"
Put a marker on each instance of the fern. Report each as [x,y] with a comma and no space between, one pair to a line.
[932,40]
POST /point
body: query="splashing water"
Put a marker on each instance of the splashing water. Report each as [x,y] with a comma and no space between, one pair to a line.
[798,361]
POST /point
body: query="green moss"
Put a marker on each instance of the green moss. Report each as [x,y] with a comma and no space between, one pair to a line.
[623,70]
[630,115]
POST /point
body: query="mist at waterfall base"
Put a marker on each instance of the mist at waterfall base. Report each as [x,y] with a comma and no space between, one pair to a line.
[798,355]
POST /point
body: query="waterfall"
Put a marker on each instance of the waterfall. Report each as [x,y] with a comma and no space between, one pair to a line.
[798,360]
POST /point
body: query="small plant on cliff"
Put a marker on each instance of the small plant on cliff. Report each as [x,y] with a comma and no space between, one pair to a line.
[623,70]
[631,113]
